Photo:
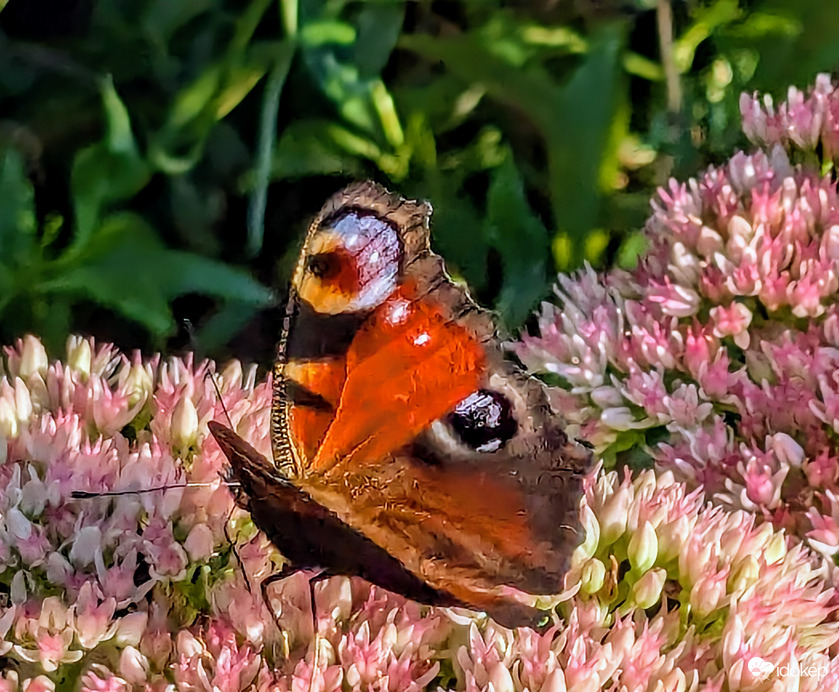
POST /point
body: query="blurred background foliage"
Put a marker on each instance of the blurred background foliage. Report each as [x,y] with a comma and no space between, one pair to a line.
[160,159]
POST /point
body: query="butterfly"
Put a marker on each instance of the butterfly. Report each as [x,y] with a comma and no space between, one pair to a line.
[407,449]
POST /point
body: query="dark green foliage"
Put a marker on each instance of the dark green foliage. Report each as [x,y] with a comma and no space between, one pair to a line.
[160,159]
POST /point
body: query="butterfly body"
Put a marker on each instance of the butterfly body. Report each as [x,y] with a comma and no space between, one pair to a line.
[398,424]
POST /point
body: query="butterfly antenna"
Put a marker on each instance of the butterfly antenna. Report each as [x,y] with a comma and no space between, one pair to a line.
[212,375]
[193,342]
[88,494]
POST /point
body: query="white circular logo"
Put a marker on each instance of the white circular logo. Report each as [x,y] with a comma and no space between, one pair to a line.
[760,667]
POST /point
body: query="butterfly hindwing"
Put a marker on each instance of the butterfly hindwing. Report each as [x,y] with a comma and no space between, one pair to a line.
[307,534]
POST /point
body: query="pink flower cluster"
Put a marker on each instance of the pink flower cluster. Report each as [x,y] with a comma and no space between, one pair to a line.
[718,357]
[144,590]
[803,121]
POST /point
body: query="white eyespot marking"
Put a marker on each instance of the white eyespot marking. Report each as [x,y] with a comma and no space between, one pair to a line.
[422,339]
[369,249]
[397,312]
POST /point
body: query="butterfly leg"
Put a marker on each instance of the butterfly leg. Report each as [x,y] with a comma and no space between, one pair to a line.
[320,576]
[285,572]
[313,581]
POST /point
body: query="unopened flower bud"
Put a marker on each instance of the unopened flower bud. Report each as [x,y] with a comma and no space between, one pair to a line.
[133,666]
[593,576]
[643,548]
[614,514]
[79,355]
[185,423]
[33,357]
[707,593]
[646,592]
[745,575]
[776,549]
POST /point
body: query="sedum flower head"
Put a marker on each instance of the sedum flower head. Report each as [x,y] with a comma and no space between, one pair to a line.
[714,363]
[804,121]
[717,357]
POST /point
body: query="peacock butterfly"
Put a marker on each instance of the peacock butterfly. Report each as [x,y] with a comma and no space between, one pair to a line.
[407,450]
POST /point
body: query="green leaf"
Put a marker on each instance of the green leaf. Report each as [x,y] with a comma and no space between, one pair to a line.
[162,18]
[109,171]
[265,150]
[241,79]
[195,98]
[631,250]
[345,62]
[530,91]
[247,22]
[579,134]
[574,117]
[706,21]
[306,149]
[379,24]
[209,98]
[121,271]
[454,233]
[325,32]
[801,39]
[17,211]
[131,272]
[625,440]
[119,138]
[323,147]
[190,273]
[521,240]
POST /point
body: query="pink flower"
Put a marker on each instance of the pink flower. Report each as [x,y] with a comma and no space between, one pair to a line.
[39,684]
[215,661]
[200,542]
[166,556]
[802,121]
[742,275]
[100,679]
[734,321]
[93,616]
[46,637]
[824,535]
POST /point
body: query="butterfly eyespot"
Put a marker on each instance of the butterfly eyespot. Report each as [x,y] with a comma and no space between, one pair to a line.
[324,265]
[483,421]
[352,263]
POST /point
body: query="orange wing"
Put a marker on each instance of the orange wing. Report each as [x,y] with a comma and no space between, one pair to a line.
[407,423]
